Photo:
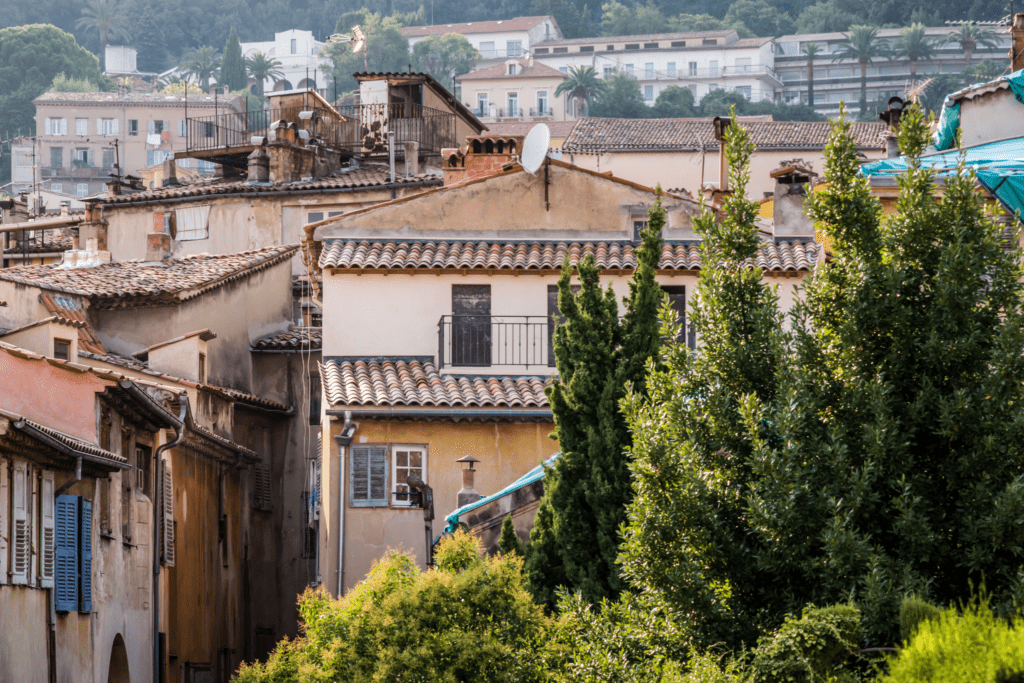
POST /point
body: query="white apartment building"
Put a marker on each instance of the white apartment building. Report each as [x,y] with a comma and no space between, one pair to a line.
[701,61]
[838,81]
[301,62]
[496,40]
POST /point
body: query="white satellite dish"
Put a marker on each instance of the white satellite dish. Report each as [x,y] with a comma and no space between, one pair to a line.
[535,148]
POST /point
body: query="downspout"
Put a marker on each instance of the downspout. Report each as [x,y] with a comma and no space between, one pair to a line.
[179,436]
[348,432]
[73,480]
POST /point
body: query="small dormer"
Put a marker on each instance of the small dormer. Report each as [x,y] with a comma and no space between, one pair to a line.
[183,357]
[511,67]
[52,337]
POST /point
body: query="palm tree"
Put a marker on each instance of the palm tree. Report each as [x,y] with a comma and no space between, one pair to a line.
[811,50]
[262,67]
[862,45]
[203,63]
[581,85]
[108,19]
[914,44]
[970,36]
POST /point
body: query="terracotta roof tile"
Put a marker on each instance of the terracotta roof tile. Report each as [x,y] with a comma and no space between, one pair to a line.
[293,340]
[44,244]
[719,33]
[402,382]
[596,135]
[138,283]
[397,255]
[362,177]
[72,311]
[527,70]
[497,26]
[69,441]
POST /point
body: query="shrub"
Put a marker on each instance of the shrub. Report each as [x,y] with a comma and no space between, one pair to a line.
[807,649]
[914,610]
[973,645]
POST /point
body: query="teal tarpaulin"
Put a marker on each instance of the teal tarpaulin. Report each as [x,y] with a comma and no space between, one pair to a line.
[999,166]
[949,119]
[528,478]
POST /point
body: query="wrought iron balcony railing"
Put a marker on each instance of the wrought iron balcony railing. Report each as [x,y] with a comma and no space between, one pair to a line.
[493,341]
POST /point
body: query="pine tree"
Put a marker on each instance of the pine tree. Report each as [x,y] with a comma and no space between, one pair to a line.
[575,539]
[232,66]
[509,543]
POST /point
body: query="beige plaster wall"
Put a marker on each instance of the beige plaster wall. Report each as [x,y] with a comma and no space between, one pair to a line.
[24,613]
[40,338]
[497,90]
[23,305]
[690,170]
[506,452]
[995,116]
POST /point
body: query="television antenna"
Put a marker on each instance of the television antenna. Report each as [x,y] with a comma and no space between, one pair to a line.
[535,148]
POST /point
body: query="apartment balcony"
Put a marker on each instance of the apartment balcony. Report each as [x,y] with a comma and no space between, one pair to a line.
[753,70]
[508,53]
[482,341]
[517,114]
[541,113]
[353,130]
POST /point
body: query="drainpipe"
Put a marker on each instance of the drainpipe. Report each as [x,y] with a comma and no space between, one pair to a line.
[179,436]
[348,432]
[73,480]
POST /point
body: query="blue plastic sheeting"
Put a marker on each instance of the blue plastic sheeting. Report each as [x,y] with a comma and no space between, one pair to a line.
[949,119]
[999,166]
[533,475]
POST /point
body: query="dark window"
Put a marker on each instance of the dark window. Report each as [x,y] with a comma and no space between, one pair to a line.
[202,368]
[368,476]
[108,158]
[143,468]
[471,325]
[560,50]
[62,349]
[677,299]
[308,530]
[133,126]
[587,48]
[610,48]
[540,51]
[638,227]
[650,46]
[632,46]
[314,399]
[678,43]
[555,318]
[314,216]
[710,41]
[56,157]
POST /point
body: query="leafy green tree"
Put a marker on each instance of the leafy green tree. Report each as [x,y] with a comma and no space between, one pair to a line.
[107,18]
[825,17]
[780,111]
[509,543]
[621,98]
[969,37]
[575,539]
[619,20]
[31,57]
[444,57]
[722,102]
[64,84]
[810,50]
[697,22]
[581,86]
[263,68]
[760,17]
[573,22]
[232,66]
[674,102]
[936,90]
[914,45]
[861,45]
[470,619]
[203,64]
[687,545]
[982,72]
[386,50]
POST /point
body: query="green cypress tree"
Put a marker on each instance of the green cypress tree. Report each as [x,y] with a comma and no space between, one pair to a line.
[509,543]
[575,539]
[232,66]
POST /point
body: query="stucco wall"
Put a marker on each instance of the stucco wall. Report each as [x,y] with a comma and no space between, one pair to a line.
[239,313]
[23,305]
[24,614]
[995,116]
[506,452]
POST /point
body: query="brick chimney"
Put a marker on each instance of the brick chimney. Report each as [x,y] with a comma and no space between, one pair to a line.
[468,494]
[483,155]
[259,166]
[158,246]
[1017,43]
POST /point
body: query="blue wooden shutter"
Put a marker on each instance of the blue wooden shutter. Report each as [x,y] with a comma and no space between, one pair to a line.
[368,476]
[85,557]
[66,575]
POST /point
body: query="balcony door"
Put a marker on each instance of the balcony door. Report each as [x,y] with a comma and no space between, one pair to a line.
[471,325]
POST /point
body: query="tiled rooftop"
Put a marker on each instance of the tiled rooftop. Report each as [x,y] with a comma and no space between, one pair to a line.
[526,70]
[497,26]
[133,98]
[512,256]
[69,441]
[363,177]
[71,311]
[399,382]
[295,339]
[596,135]
[646,37]
[136,283]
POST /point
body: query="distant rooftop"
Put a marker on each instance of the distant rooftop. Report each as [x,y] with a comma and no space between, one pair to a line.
[646,37]
[149,99]
[527,70]
[499,26]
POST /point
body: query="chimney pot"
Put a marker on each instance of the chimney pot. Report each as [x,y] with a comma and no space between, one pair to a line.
[468,494]
[158,246]
[259,166]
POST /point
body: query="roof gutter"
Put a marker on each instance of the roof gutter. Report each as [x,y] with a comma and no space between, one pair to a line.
[273,193]
[384,413]
[27,428]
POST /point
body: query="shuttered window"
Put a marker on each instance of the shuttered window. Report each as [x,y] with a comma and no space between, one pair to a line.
[167,514]
[193,223]
[677,300]
[20,539]
[85,556]
[368,476]
[66,574]
[5,501]
[46,509]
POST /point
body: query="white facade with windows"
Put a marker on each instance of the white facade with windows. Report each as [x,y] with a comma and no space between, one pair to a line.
[302,64]
[702,62]
[495,40]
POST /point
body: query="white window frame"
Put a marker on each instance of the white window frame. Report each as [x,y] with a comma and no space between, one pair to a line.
[193,223]
[56,187]
[649,70]
[82,190]
[514,48]
[648,93]
[542,102]
[5,521]
[55,126]
[400,471]
[509,99]
[81,126]
[671,70]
